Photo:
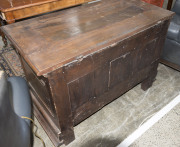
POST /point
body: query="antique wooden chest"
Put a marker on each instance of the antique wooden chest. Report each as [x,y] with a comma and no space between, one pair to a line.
[80,59]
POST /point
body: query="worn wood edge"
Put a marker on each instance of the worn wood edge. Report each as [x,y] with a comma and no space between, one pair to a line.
[170,64]
[17,47]
[102,47]
[56,82]
[86,53]
[41,119]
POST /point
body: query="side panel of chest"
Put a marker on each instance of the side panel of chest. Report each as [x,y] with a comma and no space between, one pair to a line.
[43,104]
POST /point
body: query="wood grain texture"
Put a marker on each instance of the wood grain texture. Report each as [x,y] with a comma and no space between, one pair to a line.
[62,105]
[40,87]
[48,125]
[82,25]
[11,5]
[13,10]
[126,70]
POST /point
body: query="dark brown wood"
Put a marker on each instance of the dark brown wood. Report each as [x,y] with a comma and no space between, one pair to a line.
[78,60]
[96,104]
[67,34]
[57,140]
[62,104]
[147,83]
[42,104]
[169,6]
[140,68]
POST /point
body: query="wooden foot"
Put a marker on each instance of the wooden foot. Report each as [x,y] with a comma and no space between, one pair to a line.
[147,83]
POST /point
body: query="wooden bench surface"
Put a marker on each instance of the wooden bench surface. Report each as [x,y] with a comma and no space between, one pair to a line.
[48,42]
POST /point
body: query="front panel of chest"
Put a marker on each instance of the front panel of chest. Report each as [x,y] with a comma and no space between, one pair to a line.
[93,76]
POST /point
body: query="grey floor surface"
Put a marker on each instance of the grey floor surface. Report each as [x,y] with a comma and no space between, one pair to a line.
[165,133]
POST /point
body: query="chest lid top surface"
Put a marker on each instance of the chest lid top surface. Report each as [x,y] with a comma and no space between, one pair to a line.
[50,41]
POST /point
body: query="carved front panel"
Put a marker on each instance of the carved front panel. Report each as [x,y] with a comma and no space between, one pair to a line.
[146,54]
[91,78]
[88,87]
[121,68]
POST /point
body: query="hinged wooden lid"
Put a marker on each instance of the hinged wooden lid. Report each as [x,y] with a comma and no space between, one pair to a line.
[48,42]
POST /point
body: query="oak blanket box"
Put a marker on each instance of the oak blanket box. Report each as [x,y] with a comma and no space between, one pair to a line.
[80,59]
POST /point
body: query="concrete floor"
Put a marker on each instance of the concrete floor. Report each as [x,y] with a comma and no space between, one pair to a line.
[165,133]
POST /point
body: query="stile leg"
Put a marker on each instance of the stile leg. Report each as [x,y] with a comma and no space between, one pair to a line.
[62,105]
